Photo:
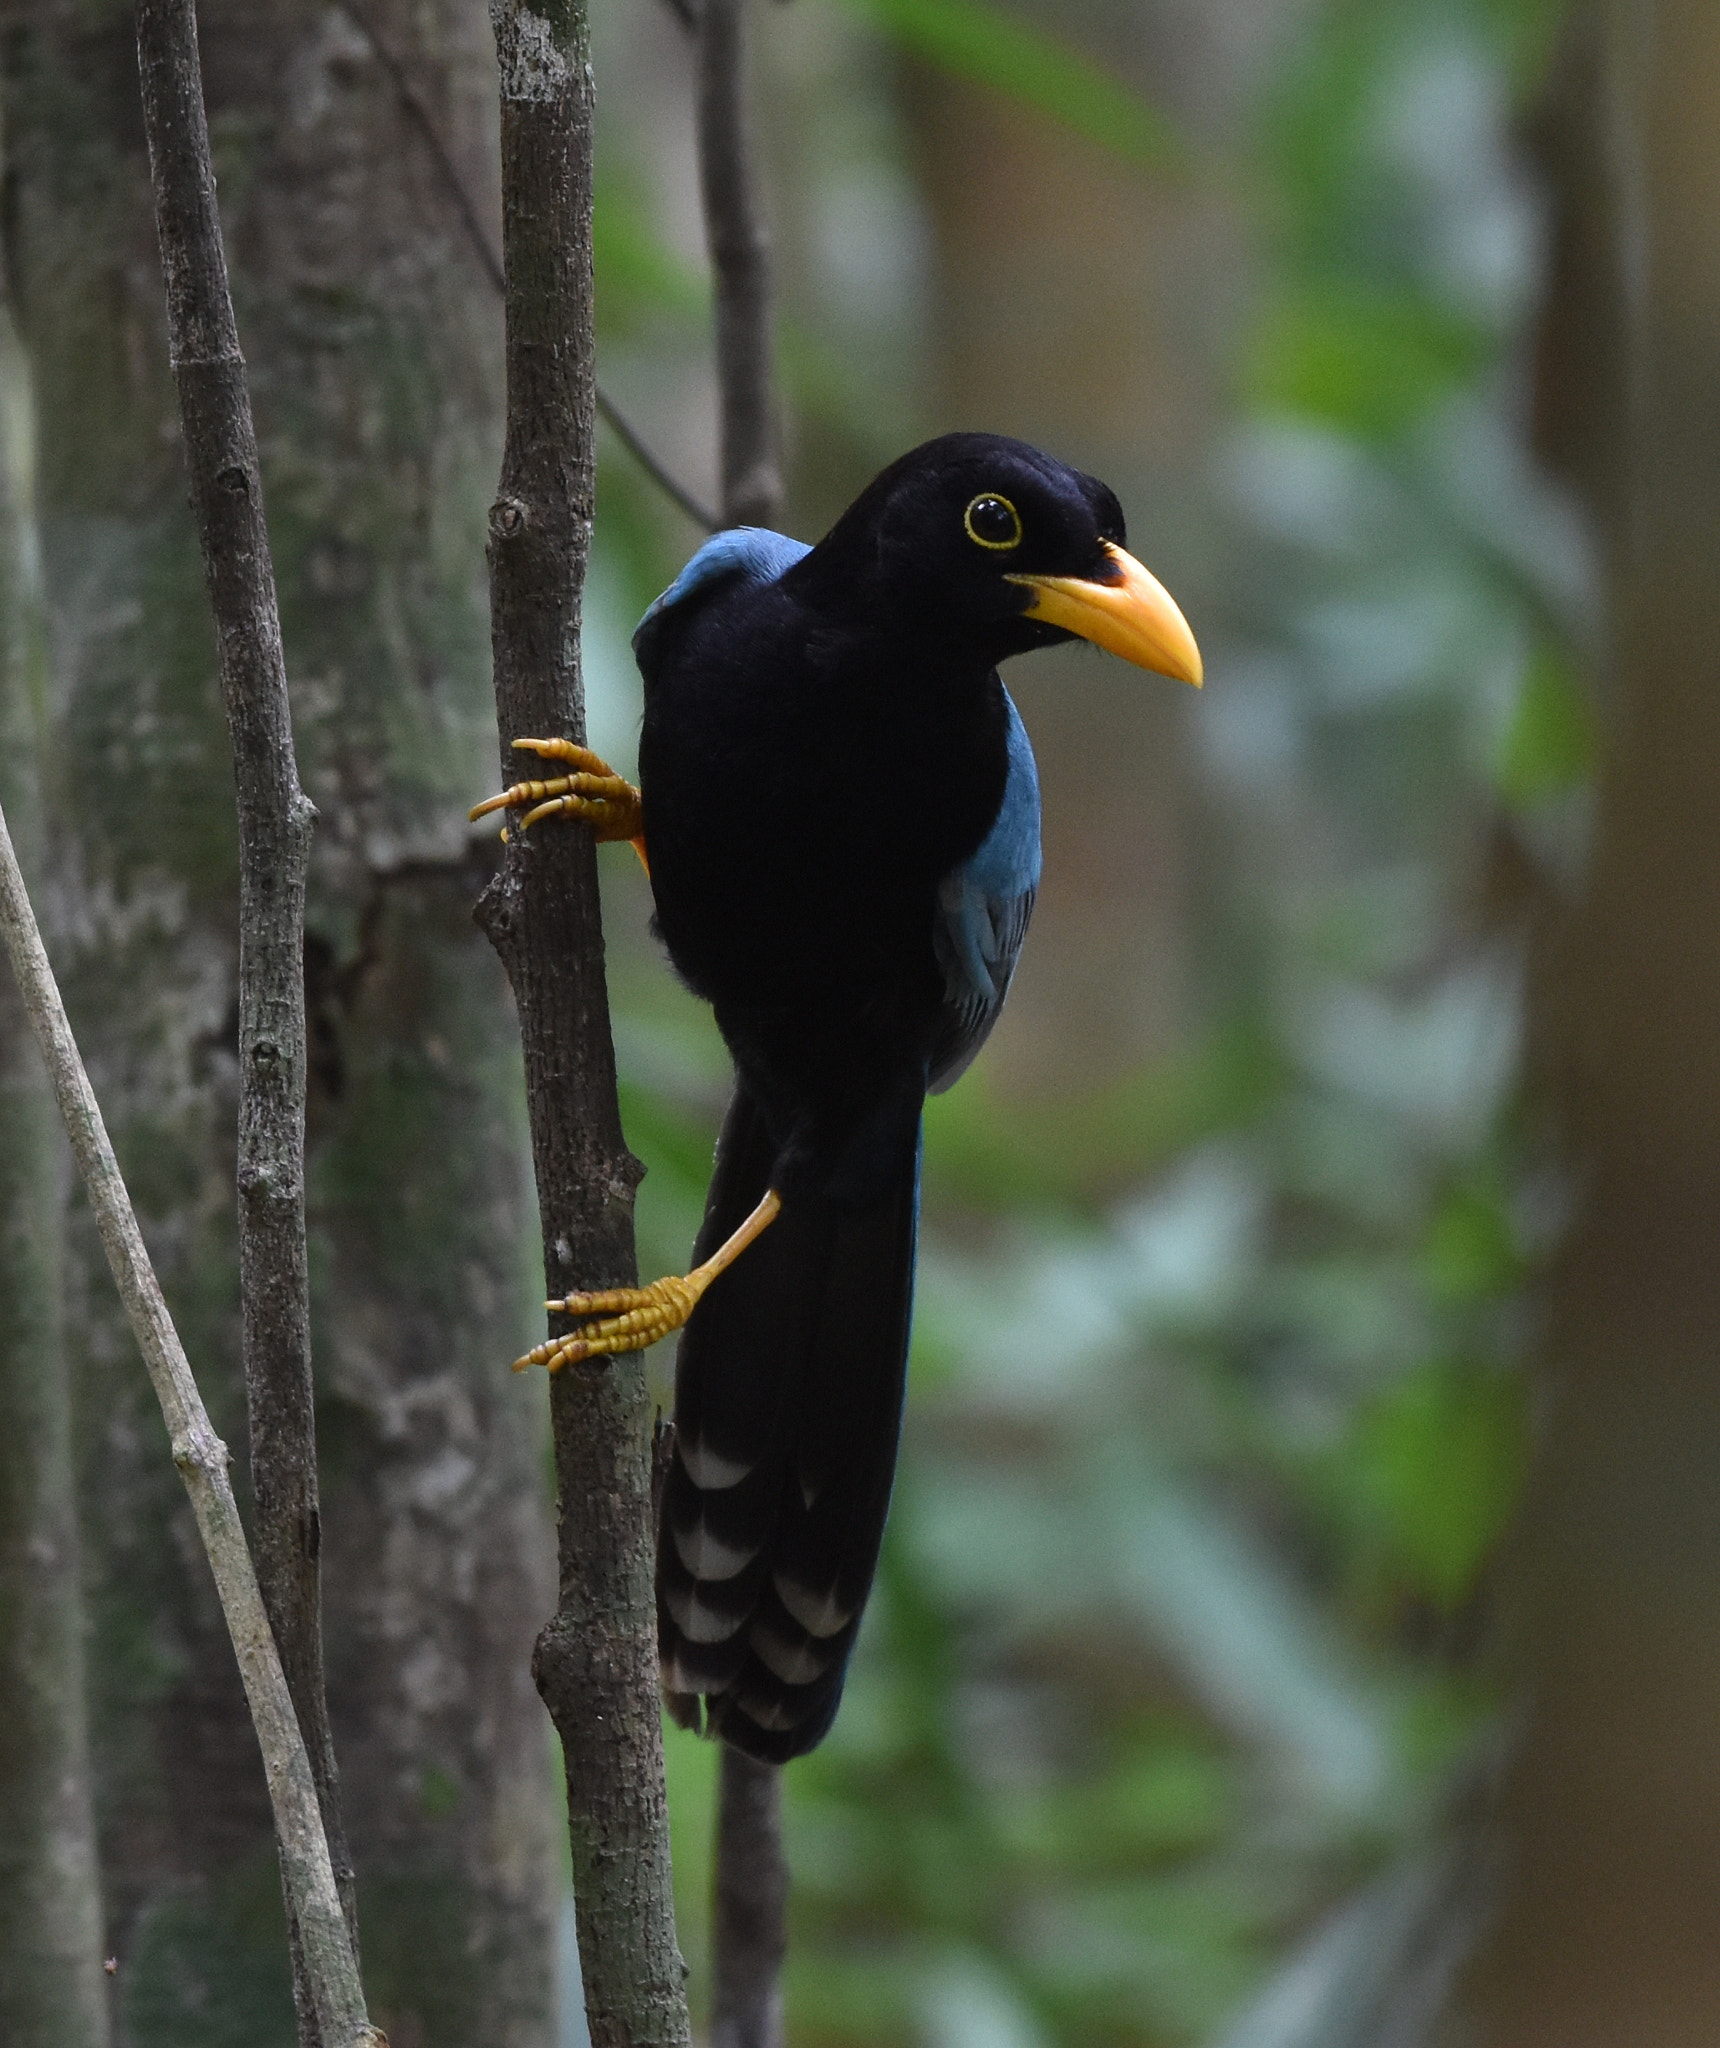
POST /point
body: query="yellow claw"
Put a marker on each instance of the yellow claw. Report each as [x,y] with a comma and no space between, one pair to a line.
[631,1318]
[600,809]
[622,1319]
[594,794]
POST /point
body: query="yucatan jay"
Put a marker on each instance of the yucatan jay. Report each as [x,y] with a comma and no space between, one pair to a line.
[840,812]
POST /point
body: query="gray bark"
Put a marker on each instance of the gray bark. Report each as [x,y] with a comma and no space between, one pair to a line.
[749,1890]
[330,1970]
[596,1661]
[375,375]
[740,259]
[274,847]
[749,1932]
[51,1982]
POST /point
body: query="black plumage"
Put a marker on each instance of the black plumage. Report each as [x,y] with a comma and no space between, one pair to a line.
[840,813]
[824,764]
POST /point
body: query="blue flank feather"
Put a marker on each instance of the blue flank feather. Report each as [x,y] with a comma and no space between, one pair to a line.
[983,908]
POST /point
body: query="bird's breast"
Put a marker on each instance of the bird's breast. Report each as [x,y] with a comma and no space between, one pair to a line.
[801,809]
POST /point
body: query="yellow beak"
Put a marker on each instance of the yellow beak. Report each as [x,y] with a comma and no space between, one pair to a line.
[1131,614]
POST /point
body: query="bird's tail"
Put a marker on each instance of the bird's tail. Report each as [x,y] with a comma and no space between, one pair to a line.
[788,1406]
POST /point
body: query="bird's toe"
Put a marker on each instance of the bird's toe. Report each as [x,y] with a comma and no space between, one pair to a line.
[593,794]
[616,1319]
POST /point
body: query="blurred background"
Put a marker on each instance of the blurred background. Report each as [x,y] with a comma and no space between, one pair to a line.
[1299,1624]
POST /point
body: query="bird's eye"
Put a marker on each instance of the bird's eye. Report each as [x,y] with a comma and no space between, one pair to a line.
[993,521]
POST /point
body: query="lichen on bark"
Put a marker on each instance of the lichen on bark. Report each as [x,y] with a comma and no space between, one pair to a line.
[51,1981]
[375,370]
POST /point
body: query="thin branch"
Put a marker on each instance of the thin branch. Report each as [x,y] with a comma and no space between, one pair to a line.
[750,1893]
[596,1663]
[749,1939]
[202,1461]
[622,429]
[412,102]
[274,848]
[740,261]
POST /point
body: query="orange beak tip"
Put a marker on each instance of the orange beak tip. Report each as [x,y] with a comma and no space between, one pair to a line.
[1131,615]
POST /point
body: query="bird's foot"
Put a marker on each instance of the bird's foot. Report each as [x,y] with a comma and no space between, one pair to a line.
[618,1319]
[630,1318]
[594,794]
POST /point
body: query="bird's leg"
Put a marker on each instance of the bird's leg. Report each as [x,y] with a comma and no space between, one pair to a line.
[630,1318]
[593,793]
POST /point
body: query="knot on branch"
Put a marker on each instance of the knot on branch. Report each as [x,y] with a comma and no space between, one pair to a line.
[509,518]
[200,1450]
[494,915]
[267,1181]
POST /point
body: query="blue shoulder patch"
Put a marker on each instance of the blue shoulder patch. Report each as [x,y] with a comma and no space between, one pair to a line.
[753,551]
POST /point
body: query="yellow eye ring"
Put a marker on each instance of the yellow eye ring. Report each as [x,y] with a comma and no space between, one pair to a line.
[992,522]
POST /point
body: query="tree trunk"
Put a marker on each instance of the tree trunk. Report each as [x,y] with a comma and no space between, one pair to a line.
[373,353]
[1611,1933]
[51,1982]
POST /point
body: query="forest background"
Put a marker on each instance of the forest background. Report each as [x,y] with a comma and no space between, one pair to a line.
[1297,1624]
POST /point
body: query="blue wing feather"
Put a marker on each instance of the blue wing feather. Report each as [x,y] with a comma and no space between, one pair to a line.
[983,909]
[754,552]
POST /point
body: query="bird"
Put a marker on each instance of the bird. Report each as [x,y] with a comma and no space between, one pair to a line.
[838,809]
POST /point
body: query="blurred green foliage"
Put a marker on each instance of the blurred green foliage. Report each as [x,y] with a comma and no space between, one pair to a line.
[1551,743]
[997,47]
[1366,362]
[1215,1426]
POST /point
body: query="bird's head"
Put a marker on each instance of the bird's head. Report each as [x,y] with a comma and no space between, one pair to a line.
[985,541]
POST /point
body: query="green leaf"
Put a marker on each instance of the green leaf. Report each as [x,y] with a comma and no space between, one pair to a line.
[1471,1252]
[998,49]
[1525,35]
[1552,741]
[1165,1796]
[1369,362]
[1437,1464]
